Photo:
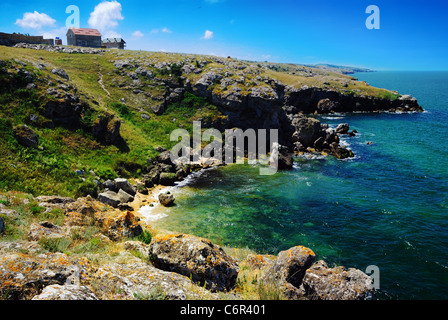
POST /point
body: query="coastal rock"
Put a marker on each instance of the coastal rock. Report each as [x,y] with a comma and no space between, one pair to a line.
[327,106]
[124,185]
[110,198]
[26,136]
[66,293]
[307,131]
[113,223]
[206,263]
[139,280]
[124,196]
[341,152]
[22,276]
[111,185]
[323,283]
[167,179]
[166,199]
[343,128]
[290,266]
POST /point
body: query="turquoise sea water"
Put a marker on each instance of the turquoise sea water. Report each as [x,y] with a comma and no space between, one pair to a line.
[387,207]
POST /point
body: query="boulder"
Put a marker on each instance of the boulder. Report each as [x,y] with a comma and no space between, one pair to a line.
[66,293]
[285,160]
[167,199]
[194,257]
[111,185]
[341,152]
[110,198]
[307,131]
[107,128]
[124,185]
[343,128]
[26,136]
[124,196]
[167,179]
[290,266]
[323,283]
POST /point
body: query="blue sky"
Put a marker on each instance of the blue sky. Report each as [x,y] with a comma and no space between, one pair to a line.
[412,36]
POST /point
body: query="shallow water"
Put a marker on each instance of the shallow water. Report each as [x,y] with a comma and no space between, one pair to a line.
[387,207]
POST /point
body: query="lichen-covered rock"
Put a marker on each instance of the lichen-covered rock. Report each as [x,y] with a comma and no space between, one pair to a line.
[66,293]
[206,263]
[323,283]
[138,280]
[290,266]
[46,230]
[22,276]
[258,261]
[113,223]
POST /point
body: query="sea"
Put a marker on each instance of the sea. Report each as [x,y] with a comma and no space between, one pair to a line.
[387,207]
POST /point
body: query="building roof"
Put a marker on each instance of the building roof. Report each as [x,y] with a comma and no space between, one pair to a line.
[113,40]
[86,32]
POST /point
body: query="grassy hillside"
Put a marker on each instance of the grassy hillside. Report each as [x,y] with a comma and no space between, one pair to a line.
[66,149]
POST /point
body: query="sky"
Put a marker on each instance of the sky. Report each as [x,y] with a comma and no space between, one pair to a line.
[412,35]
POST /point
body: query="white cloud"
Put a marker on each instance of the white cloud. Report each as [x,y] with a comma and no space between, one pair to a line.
[207,35]
[138,34]
[164,30]
[111,34]
[52,34]
[106,15]
[35,20]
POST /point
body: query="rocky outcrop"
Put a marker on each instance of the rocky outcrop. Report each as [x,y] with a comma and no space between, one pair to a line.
[107,128]
[22,276]
[139,280]
[114,224]
[294,273]
[194,257]
[26,136]
[324,283]
[289,269]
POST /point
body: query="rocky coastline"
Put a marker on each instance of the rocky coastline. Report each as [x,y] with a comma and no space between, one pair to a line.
[169,265]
